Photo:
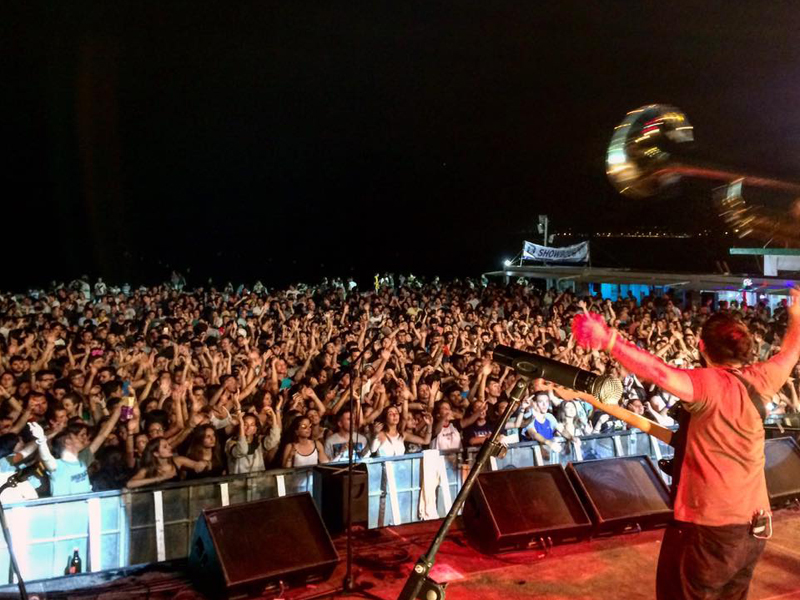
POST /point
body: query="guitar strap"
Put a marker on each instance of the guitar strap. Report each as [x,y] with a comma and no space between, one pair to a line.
[755,397]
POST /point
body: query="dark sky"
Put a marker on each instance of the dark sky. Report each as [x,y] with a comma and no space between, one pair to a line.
[292,139]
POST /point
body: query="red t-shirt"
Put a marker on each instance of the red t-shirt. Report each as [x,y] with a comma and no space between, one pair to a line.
[723,481]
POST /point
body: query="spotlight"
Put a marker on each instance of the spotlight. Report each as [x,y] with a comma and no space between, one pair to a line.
[507,262]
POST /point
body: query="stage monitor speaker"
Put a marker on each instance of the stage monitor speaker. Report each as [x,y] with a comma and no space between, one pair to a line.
[623,492]
[782,470]
[240,550]
[518,508]
[330,492]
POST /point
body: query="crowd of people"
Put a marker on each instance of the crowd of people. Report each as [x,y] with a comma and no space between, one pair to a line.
[133,387]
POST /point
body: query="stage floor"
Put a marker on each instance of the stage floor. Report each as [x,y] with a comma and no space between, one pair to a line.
[620,566]
[607,567]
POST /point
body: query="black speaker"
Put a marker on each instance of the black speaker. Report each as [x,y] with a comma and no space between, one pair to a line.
[238,551]
[622,492]
[782,470]
[330,492]
[518,508]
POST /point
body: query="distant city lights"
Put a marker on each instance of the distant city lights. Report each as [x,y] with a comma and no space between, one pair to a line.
[635,233]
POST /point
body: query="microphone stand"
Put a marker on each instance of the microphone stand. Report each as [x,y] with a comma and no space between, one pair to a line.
[11,482]
[349,583]
[419,585]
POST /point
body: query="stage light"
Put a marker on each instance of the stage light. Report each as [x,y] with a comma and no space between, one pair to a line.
[507,262]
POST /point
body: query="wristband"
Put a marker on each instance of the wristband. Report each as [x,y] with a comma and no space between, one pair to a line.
[611,341]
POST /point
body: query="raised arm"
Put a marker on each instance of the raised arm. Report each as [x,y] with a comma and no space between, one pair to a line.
[237,447]
[133,429]
[140,479]
[41,443]
[301,372]
[107,428]
[592,332]
[422,440]
[46,355]
[780,366]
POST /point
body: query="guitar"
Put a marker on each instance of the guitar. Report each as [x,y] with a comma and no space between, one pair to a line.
[623,414]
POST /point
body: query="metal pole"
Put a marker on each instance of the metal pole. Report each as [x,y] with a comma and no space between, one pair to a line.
[546,223]
[348,578]
[418,585]
[349,584]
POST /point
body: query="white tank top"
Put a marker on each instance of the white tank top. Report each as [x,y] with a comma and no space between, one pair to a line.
[392,446]
[305,460]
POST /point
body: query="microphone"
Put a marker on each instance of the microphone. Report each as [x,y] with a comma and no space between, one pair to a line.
[606,389]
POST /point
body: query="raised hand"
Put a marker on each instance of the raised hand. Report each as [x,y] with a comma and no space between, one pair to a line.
[38,433]
[591,331]
[133,425]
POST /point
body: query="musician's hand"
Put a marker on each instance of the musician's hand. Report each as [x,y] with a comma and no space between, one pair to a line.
[590,331]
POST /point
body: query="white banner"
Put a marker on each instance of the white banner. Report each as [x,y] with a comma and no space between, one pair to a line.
[579,253]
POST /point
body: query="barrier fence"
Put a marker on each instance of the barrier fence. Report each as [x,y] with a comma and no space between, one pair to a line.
[122,528]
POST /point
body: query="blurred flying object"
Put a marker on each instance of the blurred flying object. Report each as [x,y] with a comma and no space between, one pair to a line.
[759,222]
[643,158]
[638,158]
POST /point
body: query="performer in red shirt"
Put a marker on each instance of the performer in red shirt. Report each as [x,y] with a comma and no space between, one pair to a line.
[722,515]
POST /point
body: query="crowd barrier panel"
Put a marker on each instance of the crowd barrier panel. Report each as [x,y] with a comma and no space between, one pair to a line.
[776,428]
[121,528]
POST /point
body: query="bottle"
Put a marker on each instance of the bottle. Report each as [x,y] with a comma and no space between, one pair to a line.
[73,563]
[128,400]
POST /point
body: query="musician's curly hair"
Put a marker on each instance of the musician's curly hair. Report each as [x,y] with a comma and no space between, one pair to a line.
[727,340]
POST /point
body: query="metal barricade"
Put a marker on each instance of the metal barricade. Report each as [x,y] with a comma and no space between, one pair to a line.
[122,528]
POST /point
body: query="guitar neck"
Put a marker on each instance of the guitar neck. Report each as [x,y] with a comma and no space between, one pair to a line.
[623,414]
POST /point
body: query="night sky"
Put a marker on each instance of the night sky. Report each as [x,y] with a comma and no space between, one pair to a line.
[291,140]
